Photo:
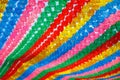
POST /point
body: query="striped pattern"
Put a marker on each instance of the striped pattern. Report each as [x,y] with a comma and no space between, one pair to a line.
[59,39]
